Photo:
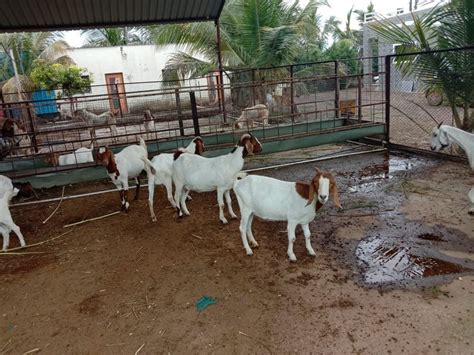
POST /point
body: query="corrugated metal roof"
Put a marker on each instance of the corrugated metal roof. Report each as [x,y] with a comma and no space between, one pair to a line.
[38,15]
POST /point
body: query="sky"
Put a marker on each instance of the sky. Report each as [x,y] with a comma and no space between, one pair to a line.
[338,8]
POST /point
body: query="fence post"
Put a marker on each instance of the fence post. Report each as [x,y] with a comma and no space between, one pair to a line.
[2,105]
[359,98]
[180,114]
[33,138]
[292,100]
[192,97]
[253,87]
[119,100]
[388,60]
[336,92]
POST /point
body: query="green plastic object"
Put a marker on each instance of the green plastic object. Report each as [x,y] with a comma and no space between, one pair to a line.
[203,302]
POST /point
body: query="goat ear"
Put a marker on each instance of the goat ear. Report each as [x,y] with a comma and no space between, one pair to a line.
[249,147]
[313,189]
[199,147]
[443,138]
[334,193]
[317,170]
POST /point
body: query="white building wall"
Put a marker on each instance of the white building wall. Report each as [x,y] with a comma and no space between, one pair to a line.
[137,63]
[141,65]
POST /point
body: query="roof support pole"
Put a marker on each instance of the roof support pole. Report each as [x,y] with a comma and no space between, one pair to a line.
[221,76]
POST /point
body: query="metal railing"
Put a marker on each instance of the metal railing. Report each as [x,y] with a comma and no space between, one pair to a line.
[301,99]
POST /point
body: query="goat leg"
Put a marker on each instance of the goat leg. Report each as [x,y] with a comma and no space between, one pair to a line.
[137,191]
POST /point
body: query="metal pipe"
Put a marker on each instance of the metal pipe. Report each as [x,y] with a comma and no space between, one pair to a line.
[336,93]
[221,77]
[388,60]
[192,97]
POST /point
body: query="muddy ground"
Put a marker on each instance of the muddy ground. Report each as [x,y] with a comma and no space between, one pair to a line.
[392,272]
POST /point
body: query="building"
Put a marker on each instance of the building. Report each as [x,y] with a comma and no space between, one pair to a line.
[374,46]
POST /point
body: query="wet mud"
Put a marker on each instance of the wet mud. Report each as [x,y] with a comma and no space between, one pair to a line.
[396,252]
[413,257]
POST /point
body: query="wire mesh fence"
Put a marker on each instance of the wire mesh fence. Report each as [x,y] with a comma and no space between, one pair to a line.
[278,102]
[426,89]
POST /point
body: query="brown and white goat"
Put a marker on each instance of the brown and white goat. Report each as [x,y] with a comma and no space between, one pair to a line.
[16,133]
[127,164]
[193,172]
[276,200]
[163,164]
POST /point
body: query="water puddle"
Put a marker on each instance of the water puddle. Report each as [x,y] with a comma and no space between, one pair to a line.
[371,177]
[390,261]
[413,258]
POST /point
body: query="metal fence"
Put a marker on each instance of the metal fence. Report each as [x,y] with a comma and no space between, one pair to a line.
[414,105]
[301,98]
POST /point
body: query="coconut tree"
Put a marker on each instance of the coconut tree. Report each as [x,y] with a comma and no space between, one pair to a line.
[117,36]
[26,48]
[444,27]
[253,34]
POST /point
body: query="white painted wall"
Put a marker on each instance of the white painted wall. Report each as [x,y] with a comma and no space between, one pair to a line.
[137,63]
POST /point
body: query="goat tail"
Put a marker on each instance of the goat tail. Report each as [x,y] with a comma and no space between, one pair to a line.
[149,164]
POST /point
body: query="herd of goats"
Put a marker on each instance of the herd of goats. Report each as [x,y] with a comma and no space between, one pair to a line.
[271,199]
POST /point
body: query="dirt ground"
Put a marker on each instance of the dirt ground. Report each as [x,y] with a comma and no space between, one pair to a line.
[121,284]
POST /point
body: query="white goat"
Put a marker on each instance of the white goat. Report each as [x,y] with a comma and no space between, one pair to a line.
[196,173]
[443,136]
[79,156]
[24,188]
[105,118]
[163,164]
[258,113]
[6,222]
[278,200]
[127,164]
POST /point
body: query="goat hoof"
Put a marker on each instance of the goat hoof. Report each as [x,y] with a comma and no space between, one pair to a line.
[254,243]
[153,219]
[234,216]
[249,252]
[224,221]
[293,258]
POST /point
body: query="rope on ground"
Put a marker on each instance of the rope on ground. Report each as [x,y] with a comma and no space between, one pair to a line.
[59,204]
[91,219]
[43,242]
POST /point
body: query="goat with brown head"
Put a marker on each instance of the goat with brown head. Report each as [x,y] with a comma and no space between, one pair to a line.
[106,157]
[199,143]
[250,143]
[323,184]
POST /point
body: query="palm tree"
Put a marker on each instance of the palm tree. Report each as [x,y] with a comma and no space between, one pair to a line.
[253,34]
[26,48]
[361,13]
[117,36]
[444,27]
